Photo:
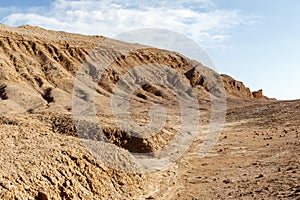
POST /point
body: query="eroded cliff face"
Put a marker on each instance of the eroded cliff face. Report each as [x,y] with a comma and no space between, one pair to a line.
[43,157]
[237,89]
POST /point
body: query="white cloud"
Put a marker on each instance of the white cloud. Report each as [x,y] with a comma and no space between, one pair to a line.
[197,19]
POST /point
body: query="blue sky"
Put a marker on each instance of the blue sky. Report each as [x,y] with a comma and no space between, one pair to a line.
[255,41]
[264,54]
[22,4]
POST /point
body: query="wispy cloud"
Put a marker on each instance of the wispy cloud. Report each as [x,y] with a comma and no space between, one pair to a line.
[198,19]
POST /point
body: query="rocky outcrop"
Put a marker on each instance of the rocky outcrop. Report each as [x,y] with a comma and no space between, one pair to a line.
[237,89]
[259,94]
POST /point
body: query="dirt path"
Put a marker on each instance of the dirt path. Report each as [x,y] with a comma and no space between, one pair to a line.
[257,157]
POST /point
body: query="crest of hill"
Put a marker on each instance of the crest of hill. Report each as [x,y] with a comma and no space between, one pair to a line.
[38,69]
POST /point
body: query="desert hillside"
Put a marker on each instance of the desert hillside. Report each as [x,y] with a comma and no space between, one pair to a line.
[48,137]
[40,66]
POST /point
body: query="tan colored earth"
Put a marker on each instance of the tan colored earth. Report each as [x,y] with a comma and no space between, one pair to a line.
[46,146]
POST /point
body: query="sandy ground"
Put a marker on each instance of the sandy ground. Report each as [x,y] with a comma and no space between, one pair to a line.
[256,157]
